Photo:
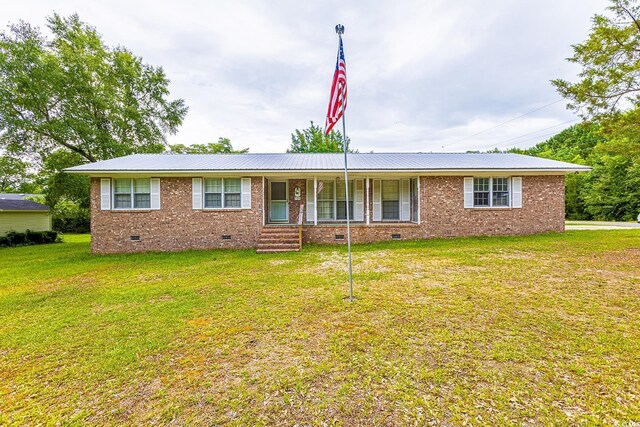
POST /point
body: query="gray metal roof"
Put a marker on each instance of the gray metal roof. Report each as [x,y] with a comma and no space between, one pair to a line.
[16,202]
[17,196]
[329,162]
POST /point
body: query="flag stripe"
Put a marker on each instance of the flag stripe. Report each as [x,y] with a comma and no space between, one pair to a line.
[338,98]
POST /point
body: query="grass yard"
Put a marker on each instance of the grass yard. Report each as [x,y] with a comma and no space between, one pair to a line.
[540,330]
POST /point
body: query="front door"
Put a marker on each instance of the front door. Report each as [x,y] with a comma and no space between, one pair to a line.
[279,205]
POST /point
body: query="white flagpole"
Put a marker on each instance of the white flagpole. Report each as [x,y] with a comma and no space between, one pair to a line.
[340,31]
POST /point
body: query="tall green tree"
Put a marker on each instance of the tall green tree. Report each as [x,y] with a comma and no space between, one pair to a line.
[608,88]
[15,175]
[223,146]
[610,62]
[314,140]
[72,91]
[607,92]
[575,144]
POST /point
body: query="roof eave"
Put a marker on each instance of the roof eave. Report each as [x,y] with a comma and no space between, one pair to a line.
[96,172]
[25,210]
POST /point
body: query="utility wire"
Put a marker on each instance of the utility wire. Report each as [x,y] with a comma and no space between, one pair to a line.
[503,123]
[538,137]
[539,130]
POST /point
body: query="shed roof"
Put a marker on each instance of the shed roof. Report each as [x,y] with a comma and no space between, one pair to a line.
[16,202]
[325,162]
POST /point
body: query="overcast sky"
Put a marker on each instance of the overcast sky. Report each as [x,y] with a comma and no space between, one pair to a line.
[422,75]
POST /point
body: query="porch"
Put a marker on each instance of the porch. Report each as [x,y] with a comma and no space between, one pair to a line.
[323,201]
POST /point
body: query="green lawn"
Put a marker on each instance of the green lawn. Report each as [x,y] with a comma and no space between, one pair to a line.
[540,330]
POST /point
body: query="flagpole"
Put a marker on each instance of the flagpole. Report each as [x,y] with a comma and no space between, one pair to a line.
[340,31]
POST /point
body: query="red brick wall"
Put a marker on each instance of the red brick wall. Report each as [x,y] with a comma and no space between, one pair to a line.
[176,226]
[294,205]
[362,233]
[442,208]
[442,214]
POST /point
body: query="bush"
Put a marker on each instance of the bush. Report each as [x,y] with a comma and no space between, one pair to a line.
[29,237]
[68,217]
[80,224]
[17,239]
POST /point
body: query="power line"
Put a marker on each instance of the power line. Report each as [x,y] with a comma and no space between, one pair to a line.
[503,123]
[539,130]
[521,142]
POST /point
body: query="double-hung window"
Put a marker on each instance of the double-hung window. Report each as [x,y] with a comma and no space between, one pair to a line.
[326,201]
[222,193]
[131,193]
[390,200]
[491,192]
[500,192]
[332,200]
[341,201]
[415,203]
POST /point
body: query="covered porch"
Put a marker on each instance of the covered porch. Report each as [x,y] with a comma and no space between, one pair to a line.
[322,200]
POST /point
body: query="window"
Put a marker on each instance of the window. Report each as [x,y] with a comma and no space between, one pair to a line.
[341,201]
[500,191]
[325,200]
[414,200]
[481,192]
[222,193]
[332,201]
[491,192]
[141,194]
[131,193]
[390,200]
[232,192]
[122,193]
[213,193]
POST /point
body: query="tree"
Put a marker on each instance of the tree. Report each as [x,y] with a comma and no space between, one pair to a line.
[72,91]
[314,140]
[15,175]
[223,146]
[610,61]
[607,93]
[60,185]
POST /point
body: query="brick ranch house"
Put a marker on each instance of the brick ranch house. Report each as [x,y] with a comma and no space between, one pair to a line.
[273,202]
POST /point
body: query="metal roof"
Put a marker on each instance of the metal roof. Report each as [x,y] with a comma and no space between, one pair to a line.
[329,162]
[16,202]
[17,196]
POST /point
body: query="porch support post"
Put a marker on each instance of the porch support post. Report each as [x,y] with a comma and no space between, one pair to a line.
[264,209]
[419,199]
[315,200]
[367,200]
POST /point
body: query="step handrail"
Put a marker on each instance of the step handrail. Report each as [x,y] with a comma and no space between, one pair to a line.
[300,218]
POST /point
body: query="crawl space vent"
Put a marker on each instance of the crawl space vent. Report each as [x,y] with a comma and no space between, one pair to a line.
[396,236]
[339,236]
[134,238]
[226,237]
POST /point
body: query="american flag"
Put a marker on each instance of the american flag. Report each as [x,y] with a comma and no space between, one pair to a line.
[338,100]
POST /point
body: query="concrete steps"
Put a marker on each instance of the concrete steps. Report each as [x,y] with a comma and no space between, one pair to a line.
[278,238]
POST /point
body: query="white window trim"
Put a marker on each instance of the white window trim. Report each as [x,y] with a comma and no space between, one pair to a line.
[508,206]
[372,217]
[222,196]
[335,200]
[399,181]
[132,193]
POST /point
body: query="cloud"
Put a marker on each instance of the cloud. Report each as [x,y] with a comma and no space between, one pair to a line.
[423,76]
